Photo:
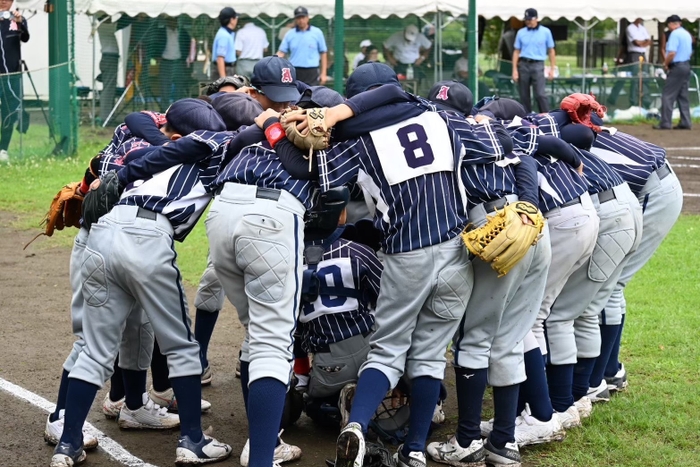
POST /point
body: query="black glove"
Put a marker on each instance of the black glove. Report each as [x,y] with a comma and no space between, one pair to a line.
[100,201]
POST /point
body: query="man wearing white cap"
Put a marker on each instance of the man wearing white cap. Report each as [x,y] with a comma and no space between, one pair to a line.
[407,47]
[361,56]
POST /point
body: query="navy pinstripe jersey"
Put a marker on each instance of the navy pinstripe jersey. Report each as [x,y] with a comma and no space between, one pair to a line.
[123,141]
[600,176]
[259,165]
[181,192]
[630,157]
[558,182]
[487,172]
[409,171]
[332,318]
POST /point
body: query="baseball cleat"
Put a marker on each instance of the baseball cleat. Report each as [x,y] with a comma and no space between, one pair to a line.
[208,375]
[570,418]
[345,403]
[149,416]
[283,452]
[451,453]
[509,456]
[111,408]
[167,399]
[438,414]
[206,451]
[54,430]
[529,430]
[66,456]
[414,458]
[584,406]
[600,393]
[619,381]
[350,448]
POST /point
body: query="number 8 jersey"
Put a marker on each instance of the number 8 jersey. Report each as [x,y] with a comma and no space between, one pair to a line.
[407,172]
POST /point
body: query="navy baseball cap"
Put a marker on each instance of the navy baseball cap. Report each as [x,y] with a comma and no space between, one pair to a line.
[530,13]
[237,109]
[673,19]
[300,11]
[503,109]
[227,13]
[369,75]
[319,96]
[188,115]
[276,78]
[452,95]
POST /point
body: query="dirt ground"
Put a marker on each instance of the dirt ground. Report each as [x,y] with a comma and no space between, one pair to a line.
[35,338]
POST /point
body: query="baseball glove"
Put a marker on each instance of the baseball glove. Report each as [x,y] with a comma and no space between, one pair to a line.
[237,81]
[101,200]
[315,137]
[579,107]
[64,211]
[505,239]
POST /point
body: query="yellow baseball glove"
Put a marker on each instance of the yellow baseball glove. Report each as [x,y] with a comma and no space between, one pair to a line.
[505,239]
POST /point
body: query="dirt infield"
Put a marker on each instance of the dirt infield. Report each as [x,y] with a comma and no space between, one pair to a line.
[36,337]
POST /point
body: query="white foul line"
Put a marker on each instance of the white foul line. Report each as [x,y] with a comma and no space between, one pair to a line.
[695,148]
[687,158]
[692,195]
[113,449]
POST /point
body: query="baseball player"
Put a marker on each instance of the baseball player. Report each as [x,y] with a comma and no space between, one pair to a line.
[420,210]
[572,331]
[129,267]
[573,227]
[130,135]
[644,167]
[500,310]
[339,294]
[273,86]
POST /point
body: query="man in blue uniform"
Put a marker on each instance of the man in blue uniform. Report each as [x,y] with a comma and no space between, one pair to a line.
[306,48]
[532,46]
[679,49]
[224,47]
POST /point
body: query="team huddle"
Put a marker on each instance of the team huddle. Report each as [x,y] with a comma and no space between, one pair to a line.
[359,240]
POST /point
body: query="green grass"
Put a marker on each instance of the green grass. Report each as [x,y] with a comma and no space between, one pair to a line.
[655,423]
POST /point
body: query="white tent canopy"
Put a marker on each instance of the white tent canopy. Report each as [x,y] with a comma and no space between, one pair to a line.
[555,9]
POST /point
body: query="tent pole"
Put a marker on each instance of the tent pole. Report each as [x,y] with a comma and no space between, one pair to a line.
[585,55]
[473,42]
[437,47]
[94,56]
[339,45]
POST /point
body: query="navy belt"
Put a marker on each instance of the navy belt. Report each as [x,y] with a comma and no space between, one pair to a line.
[146,214]
[268,193]
[529,60]
[605,196]
[492,206]
[573,202]
[663,171]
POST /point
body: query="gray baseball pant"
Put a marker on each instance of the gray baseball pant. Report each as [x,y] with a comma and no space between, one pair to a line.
[662,201]
[129,267]
[257,245]
[210,293]
[501,312]
[572,328]
[135,322]
[573,231]
[422,297]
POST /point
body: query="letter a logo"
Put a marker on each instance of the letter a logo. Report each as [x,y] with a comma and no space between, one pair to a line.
[287,75]
[442,94]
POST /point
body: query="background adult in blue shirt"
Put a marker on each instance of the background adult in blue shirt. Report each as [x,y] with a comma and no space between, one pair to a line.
[224,47]
[532,45]
[679,48]
[306,48]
